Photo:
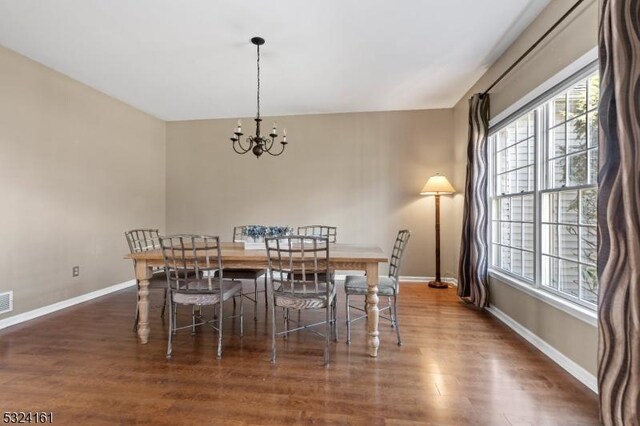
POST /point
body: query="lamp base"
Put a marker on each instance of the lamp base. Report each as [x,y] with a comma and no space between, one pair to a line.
[437,284]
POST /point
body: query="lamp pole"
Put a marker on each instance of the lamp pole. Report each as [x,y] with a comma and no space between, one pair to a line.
[438,281]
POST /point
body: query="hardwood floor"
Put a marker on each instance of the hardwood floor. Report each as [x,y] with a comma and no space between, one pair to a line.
[457,366]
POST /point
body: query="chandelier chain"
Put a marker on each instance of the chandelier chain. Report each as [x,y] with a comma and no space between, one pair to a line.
[258,96]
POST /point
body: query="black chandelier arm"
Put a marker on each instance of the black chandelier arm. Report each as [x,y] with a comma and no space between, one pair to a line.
[284,145]
[268,144]
[242,150]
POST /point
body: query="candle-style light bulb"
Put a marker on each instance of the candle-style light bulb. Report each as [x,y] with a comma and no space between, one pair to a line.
[274,131]
[239,128]
[284,134]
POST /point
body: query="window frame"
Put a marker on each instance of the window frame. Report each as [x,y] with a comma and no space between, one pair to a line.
[541,106]
[493,164]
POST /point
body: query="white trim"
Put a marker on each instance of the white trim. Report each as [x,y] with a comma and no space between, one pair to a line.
[577,311]
[26,316]
[588,379]
[452,281]
[567,72]
[413,279]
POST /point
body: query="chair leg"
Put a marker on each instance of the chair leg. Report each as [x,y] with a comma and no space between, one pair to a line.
[255,299]
[193,320]
[234,298]
[273,331]
[391,313]
[175,315]
[221,314]
[395,318]
[348,322]
[335,319]
[164,303]
[266,301]
[241,314]
[327,331]
[286,322]
[171,327]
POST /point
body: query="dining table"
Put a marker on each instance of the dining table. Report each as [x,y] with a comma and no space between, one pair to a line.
[342,257]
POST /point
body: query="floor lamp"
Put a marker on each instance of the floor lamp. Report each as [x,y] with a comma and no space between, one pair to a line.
[437,185]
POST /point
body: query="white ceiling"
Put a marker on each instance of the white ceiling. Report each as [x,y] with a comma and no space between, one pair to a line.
[192,59]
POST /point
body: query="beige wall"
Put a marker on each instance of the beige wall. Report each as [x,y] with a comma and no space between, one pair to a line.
[75,175]
[570,41]
[360,172]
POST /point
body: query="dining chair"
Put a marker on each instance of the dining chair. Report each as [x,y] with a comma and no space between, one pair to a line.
[240,235]
[140,240]
[356,285]
[190,265]
[330,232]
[296,264]
[319,231]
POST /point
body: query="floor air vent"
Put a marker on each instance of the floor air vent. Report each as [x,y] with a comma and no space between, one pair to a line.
[6,302]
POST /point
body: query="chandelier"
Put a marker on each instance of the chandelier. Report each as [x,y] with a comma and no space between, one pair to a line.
[258,144]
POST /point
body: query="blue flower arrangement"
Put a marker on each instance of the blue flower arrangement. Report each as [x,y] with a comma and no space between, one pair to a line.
[258,232]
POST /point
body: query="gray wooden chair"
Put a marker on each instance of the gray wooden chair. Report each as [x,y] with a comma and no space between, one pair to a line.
[190,265]
[356,285]
[331,232]
[140,240]
[239,235]
[296,264]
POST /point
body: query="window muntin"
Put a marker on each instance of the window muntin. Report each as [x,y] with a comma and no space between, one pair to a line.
[560,138]
[513,205]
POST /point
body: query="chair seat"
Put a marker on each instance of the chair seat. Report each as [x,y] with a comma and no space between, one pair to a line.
[357,284]
[304,298]
[159,279]
[199,293]
[242,274]
[322,276]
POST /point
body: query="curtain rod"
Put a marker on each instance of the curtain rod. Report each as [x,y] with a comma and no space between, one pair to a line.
[533,46]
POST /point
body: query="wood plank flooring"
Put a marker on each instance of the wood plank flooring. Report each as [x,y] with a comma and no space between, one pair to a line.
[457,366]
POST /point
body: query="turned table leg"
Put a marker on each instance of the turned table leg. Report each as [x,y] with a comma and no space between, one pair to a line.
[143,275]
[372,309]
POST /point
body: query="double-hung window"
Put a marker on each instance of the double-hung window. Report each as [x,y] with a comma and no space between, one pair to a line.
[543,190]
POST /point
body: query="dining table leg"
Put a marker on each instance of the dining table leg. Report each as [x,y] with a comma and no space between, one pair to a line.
[372,309]
[143,275]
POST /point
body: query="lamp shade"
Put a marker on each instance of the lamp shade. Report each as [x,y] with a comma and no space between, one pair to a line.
[437,185]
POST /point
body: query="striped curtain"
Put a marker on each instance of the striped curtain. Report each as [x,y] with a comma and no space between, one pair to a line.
[472,273]
[619,213]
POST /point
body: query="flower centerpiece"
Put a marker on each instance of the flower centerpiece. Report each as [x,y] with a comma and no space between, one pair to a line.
[255,234]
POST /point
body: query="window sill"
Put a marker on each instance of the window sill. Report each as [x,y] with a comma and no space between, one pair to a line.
[579,312]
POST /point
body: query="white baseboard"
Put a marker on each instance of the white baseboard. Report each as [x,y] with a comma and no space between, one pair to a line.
[26,316]
[411,279]
[588,379]
[452,281]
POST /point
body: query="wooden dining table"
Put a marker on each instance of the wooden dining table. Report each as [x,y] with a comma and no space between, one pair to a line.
[344,257]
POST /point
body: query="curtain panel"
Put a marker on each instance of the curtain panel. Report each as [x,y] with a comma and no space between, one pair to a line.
[474,254]
[619,213]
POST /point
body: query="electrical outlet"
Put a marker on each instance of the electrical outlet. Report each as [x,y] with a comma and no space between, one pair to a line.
[75,272]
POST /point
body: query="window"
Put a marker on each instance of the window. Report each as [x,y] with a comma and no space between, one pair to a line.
[513,205]
[543,192]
